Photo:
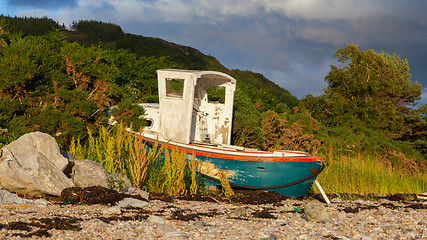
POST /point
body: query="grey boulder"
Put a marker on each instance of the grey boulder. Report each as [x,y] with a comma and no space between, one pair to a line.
[87,173]
[30,143]
[33,165]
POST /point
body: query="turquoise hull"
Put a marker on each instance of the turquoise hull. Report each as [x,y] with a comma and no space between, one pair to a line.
[262,174]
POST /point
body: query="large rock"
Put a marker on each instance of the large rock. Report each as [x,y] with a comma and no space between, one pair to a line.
[31,172]
[119,182]
[87,173]
[33,165]
[30,143]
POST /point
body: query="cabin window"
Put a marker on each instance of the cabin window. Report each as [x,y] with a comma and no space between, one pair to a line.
[216,94]
[149,122]
[174,87]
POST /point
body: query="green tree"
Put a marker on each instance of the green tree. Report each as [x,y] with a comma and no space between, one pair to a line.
[30,25]
[98,31]
[3,42]
[367,89]
[61,88]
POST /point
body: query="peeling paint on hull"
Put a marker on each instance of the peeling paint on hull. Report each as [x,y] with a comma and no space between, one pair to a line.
[187,119]
[255,169]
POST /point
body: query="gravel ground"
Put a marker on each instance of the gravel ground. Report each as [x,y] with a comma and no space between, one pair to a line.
[181,219]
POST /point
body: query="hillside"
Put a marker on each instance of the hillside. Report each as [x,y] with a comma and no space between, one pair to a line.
[184,56]
[111,36]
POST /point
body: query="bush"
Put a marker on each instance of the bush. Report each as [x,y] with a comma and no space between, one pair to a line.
[61,88]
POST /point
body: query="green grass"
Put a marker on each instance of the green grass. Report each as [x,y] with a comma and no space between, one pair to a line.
[349,174]
[153,169]
[364,174]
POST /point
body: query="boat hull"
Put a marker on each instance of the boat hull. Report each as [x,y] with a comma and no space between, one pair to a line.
[266,174]
[254,170]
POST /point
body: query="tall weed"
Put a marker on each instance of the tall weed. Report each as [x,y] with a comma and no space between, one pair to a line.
[140,159]
[193,169]
[226,188]
[112,148]
[173,172]
[364,174]
[155,169]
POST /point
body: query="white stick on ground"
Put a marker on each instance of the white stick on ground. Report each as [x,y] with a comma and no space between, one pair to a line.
[322,192]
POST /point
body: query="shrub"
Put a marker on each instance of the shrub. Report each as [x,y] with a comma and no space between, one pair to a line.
[155,169]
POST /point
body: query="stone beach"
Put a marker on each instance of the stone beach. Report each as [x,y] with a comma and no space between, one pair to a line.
[87,202]
[182,219]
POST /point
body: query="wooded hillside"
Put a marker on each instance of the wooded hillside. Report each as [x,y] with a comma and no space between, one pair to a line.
[99,62]
[61,82]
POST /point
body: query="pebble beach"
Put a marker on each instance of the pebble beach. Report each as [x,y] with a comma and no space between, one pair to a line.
[180,219]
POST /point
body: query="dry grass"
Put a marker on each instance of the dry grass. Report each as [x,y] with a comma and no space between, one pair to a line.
[364,174]
[140,159]
[226,188]
[173,172]
[121,151]
[193,167]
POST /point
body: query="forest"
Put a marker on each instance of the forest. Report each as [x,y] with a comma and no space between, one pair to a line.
[62,81]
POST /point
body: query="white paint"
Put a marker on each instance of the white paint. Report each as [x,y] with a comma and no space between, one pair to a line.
[191,117]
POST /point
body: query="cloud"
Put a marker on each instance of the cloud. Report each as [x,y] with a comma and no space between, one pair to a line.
[181,10]
[299,81]
[325,34]
[283,39]
[323,21]
[40,3]
[220,10]
[35,12]
[324,9]
[424,97]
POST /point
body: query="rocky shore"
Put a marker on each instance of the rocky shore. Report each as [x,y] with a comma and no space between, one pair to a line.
[87,202]
[185,219]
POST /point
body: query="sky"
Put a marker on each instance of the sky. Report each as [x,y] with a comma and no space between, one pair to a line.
[291,42]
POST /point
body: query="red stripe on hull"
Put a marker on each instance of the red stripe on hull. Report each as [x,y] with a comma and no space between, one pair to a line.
[303,158]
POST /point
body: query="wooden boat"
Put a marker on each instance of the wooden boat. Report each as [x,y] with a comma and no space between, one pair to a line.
[194,114]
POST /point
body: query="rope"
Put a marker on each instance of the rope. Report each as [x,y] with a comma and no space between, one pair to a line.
[270,187]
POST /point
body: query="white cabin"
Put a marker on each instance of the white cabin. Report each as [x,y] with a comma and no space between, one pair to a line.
[186,113]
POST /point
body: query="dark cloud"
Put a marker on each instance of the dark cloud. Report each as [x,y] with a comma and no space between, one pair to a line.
[290,42]
[296,54]
[51,4]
